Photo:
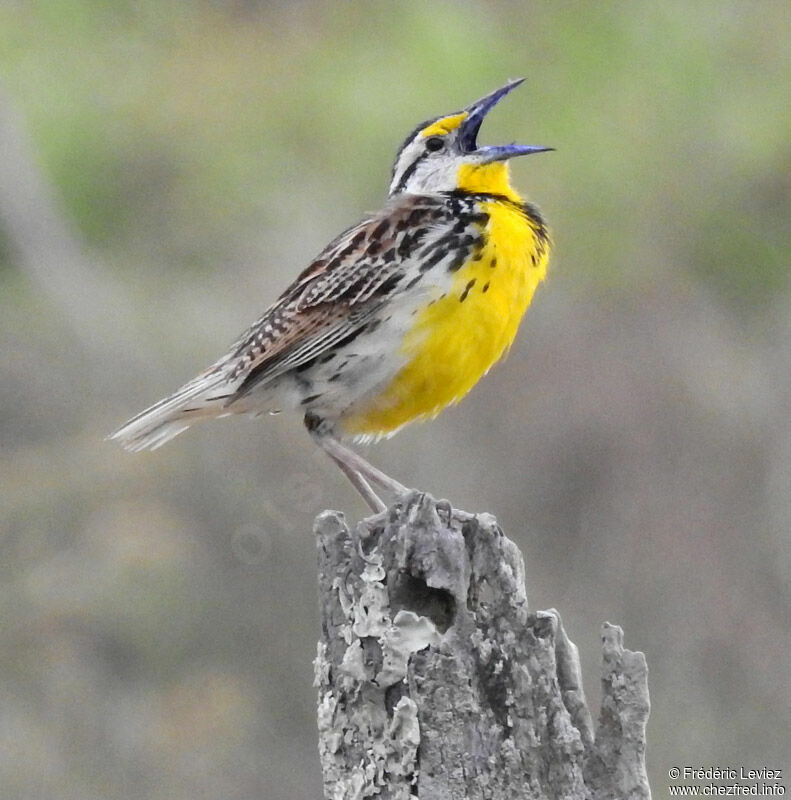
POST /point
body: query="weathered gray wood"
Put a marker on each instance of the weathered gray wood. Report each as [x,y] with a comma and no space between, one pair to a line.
[436,681]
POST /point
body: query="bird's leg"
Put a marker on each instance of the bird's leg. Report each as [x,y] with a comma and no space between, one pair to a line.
[354,466]
[340,452]
[362,486]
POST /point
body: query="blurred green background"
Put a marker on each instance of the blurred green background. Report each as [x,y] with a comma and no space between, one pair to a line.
[167,167]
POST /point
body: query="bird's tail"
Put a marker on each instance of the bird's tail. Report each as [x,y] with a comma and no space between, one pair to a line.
[202,398]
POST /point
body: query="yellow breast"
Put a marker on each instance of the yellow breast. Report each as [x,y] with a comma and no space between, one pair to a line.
[457,338]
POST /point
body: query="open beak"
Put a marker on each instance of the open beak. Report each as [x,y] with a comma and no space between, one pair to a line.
[468,130]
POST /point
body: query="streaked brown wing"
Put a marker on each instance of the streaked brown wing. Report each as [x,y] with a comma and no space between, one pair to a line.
[336,296]
[368,258]
[318,330]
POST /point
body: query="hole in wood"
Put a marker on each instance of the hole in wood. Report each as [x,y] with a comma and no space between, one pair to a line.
[414,594]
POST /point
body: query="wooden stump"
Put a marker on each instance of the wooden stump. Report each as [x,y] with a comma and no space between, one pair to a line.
[436,681]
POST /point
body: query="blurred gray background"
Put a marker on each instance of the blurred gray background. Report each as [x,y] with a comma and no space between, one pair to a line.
[167,167]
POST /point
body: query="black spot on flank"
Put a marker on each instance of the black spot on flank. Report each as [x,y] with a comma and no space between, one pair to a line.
[310,398]
[414,280]
[485,286]
[327,357]
[533,258]
[306,365]
[493,263]
[373,325]
[304,384]
[334,377]
[469,240]
[466,291]
[458,260]
[313,421]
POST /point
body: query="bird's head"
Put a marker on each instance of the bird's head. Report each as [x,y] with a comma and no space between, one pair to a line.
[443,155]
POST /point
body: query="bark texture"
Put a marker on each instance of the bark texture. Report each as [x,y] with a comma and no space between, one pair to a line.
[436,681]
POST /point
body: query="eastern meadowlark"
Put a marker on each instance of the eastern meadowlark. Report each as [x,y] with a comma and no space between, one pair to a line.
[395,319]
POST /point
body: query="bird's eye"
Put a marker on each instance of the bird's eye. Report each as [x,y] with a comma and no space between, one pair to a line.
[434,143]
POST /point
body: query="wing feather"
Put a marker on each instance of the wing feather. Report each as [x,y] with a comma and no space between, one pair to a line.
[330,302]
[336,295]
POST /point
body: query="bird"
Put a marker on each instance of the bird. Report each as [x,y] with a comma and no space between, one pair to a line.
[397,318]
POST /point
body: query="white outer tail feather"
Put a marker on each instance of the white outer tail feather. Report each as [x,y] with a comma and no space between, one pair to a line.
[151,438]
[172,415]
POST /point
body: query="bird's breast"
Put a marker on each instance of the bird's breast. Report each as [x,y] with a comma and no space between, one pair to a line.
[465,325]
